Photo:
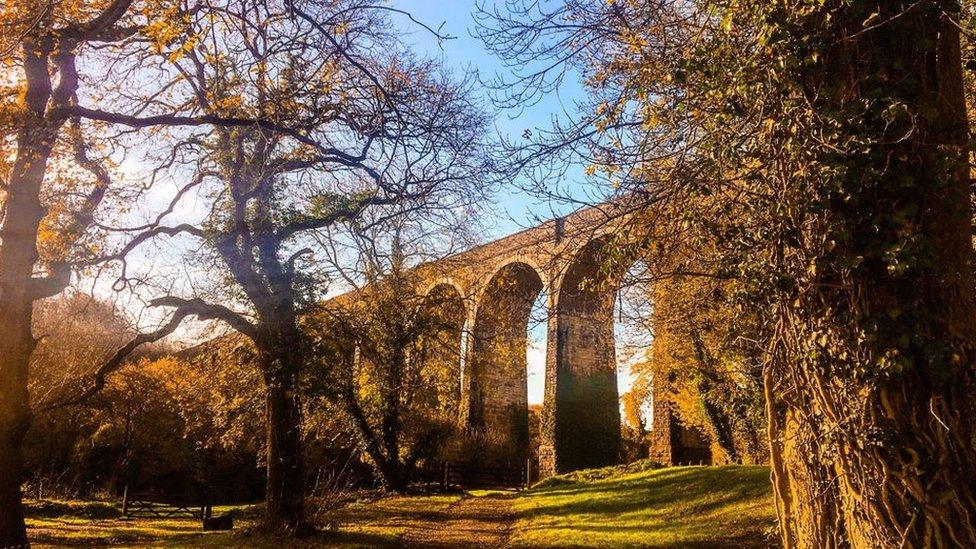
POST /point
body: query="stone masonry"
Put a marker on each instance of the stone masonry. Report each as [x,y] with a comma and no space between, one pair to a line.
[496,285]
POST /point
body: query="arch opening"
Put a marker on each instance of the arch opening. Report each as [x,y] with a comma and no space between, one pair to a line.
[634,336]
[442,346]
[497,385]
[646,368]
[535,355]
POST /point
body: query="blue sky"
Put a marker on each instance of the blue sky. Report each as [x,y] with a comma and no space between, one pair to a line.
[514,209]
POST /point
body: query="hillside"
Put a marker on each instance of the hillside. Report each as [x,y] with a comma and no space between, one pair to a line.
[625,506]
[726,506]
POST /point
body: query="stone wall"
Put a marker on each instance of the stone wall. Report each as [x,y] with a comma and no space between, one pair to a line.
[671,442]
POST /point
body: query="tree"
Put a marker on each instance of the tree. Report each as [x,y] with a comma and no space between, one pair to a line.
[707,365]
[163,424]
[46,210]
[205,400]
[824,145]
[75,333]
[396,400]
[59,175]
[288,119]
[401,400]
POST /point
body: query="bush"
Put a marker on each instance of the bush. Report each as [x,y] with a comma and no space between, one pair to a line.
[589,475]
[483,447]
[73,509]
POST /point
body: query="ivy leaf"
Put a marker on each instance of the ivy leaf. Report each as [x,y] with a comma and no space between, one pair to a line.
[871,19]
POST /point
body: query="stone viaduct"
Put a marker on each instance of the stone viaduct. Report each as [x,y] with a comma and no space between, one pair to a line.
[491,289]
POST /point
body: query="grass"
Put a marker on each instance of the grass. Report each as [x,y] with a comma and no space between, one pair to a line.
[385,521]
[626,506]
[638,506]
[88,523]
[367,523]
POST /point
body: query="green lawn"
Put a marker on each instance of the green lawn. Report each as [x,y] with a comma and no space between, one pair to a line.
[627,506]
[728,506]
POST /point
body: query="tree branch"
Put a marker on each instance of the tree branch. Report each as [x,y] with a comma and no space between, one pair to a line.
[184,308]
[206,120]
[109,16]
[142,237]
[118,359]
[207,311]
[339,214]
[53,284]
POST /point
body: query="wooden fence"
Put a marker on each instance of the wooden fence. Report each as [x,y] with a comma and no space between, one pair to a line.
[164,506]
[479,476]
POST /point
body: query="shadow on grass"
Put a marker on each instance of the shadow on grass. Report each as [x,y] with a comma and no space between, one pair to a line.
[341,539]
[698,490]
[675,507]
[417,510]
[82,509]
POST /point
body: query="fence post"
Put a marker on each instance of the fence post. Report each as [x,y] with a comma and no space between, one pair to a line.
[125,501]
[528,472]
[206,510]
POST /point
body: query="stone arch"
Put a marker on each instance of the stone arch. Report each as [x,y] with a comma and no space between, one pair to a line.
[532,261]
[444,311]
[581,415]
[444,284]
[496,391]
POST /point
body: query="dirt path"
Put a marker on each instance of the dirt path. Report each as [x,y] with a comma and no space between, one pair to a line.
[484,521]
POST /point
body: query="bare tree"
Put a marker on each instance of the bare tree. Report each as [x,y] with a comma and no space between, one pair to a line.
[288,119]
[399,337]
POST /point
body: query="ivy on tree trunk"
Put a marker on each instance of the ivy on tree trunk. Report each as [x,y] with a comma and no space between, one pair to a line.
[871,390]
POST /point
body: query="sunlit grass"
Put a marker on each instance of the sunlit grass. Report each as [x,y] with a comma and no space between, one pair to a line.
[672,507]
[632,506]
[79,531]
[82,523]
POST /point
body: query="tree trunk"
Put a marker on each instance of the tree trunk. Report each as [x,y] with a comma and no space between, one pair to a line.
[285,496]
[394,479]
[13,532]
[391,421]
[16,346]
[388,470]
[872,390]
[18,255]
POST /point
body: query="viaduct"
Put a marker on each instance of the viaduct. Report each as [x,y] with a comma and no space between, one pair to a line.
[490,290]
